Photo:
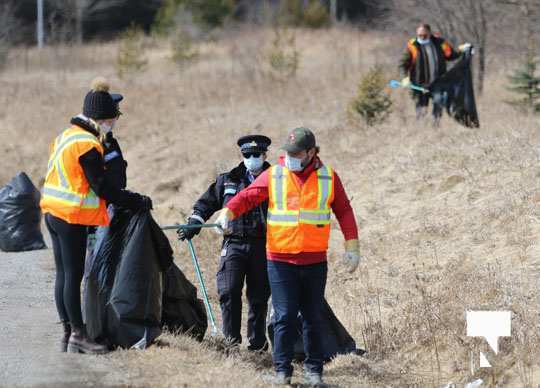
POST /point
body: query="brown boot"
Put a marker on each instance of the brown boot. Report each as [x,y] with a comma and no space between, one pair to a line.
[65,337]
[80,343]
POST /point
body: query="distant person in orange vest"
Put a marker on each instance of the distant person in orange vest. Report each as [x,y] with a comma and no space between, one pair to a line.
[75,194]
[302,193]
[424,61]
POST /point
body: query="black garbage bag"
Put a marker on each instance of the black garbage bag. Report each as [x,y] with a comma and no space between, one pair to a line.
[124,288]
[454,91]
[335,338]
[182,311]
[20,216]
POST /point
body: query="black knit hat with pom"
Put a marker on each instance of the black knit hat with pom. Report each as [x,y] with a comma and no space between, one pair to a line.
[98,103]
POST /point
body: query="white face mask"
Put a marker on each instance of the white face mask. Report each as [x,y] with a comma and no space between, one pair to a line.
[254,164]
[294,164]
[423,41]
[105,128]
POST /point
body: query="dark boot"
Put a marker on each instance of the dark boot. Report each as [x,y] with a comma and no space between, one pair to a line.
[262,349]
[65,337]
[80,343]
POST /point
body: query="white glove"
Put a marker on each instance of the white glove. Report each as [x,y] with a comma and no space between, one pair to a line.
[351,257]
[224,218]
[464,47]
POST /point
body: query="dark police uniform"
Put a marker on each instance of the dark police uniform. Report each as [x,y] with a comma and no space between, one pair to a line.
[243,253]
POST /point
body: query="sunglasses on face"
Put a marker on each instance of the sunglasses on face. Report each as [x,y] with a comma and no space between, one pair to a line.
[248,155]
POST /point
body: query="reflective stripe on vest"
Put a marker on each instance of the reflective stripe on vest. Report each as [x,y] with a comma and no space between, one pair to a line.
[66,192]
[90,201]
[279,215]
[413,50]
[63,193]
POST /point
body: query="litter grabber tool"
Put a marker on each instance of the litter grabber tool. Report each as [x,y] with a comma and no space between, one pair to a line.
[198,268]
[394,84]
[188,226]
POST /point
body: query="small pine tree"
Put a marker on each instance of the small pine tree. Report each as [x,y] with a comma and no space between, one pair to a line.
[526,83]
[283,57]
[131,57]
[164,19]
[297,13]
[183,48]
[372,102]
[316,15]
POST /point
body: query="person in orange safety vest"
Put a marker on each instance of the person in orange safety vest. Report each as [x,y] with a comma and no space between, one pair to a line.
[423,61]
[74,197]
[302,192]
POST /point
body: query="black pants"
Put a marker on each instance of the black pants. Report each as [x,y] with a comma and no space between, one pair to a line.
[69,245]
[422,102]
[244,260]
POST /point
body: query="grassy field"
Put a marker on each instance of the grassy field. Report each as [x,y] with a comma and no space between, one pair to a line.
[448,217]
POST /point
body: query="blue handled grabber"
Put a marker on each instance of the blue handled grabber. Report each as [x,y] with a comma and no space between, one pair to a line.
[394,83]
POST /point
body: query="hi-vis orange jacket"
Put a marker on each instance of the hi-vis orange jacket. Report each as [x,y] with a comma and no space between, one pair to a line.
[416,65]
[299,216]
[66,192]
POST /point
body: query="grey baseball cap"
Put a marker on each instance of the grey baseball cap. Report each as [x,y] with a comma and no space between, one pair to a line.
[299,139]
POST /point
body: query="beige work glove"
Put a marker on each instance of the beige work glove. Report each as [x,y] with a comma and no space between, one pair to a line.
[351,257]
[224,219]
[406,82]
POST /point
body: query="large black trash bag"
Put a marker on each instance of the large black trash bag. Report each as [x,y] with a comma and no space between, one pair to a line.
[124,286]
[20,216]
[454,91]
[182,311]
[335,338]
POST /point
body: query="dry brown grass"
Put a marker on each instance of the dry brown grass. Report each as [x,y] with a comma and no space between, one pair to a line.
[448,216]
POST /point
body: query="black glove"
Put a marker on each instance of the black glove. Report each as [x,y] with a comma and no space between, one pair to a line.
[146,203]
[188,234]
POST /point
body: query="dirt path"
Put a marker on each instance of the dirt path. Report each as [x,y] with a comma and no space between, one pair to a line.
[29,354]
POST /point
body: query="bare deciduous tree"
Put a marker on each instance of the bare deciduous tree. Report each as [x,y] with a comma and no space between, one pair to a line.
[8,25]
[529,14]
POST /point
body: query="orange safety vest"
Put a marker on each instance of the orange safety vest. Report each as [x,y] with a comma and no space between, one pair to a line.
[413,50]
[299,216]
[66,192]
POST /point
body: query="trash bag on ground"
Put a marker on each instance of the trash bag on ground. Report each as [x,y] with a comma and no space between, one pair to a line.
[335,338]
[454,91]
[123,301]
[20,216]
[182,311]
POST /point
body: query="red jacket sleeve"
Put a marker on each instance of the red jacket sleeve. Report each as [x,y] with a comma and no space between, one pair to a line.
[343,211]
[251,196]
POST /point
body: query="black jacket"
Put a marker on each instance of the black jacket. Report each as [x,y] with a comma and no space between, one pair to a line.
[115,164]
[93,166]
[219,193]
[417,68]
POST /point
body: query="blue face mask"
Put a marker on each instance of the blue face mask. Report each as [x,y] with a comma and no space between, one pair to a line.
[423,41]
[294,164]
[254,164]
